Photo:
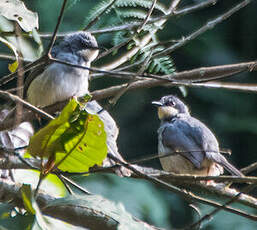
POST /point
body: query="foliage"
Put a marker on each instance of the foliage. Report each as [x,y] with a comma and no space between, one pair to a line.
[134,11]
[230,114]
[75,140]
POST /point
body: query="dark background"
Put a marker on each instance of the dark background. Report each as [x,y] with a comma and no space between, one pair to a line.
[231,115]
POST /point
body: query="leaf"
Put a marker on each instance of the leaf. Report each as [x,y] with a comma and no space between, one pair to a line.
[85,149]
[43,143]
[51,185]
[76,140]
[16,10]
[95,205]
[12,67]
[26,194]
[31,206]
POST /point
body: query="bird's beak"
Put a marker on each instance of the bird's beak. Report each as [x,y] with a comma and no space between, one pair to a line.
[157,103]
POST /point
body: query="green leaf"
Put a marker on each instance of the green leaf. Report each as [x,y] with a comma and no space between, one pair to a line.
[26,194]
[44,142]
[31,206]
[15,10]
[76,140]
[52,185]
[115,213]
[12,67]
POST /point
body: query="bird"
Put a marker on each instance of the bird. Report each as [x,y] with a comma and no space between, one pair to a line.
[192,147]
[56,82]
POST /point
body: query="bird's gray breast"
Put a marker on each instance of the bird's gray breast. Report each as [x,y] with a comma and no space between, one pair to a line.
[58,82]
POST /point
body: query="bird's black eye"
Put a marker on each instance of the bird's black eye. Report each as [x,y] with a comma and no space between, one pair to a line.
[170,102]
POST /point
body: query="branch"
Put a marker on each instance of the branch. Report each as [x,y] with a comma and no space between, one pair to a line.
[56,28]
[186,77]
[78,215]
[16,99]
[186,181]
[131,26]
[185,195]
[208,26]
[180,78]
[215,211]
[147,16]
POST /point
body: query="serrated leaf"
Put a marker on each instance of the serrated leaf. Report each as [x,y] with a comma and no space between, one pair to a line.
[15,10]
[140,3]
[76,140]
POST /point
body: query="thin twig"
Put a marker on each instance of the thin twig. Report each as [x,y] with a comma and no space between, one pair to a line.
[13,58]
[147,16]
[173,6]
[114,100]
[9,77]
[193,8]
[56,28]
[15,98]
[20,80]
[208,26]
[249,168]
[131,26]
[215,211]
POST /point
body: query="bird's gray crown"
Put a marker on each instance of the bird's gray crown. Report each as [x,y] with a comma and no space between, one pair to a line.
[174,102]
[75,42]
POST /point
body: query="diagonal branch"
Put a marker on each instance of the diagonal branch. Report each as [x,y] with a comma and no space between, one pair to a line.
[56,28]
[208,26]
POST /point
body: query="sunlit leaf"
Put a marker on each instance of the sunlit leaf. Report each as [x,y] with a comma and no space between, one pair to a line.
[76,140]
[86,147]
[31,206]
[26,194]
[51,184]
[12,67]
[15,10]
[45,142]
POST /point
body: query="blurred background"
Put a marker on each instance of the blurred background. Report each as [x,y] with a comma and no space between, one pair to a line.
[230,114]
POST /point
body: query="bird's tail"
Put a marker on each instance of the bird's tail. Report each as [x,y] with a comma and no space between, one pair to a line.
[230,168]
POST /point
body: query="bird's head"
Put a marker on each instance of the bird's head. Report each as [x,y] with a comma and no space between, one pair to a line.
[81,43]
[169,107]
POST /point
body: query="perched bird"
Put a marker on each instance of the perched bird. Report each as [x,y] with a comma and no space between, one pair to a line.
[57,82]
[193,147]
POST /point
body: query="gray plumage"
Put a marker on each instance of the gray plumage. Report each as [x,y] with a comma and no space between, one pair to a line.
[196,146]
[56,82]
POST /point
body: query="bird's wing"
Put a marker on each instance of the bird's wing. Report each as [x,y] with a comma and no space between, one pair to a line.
[179,136]
[33,74]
